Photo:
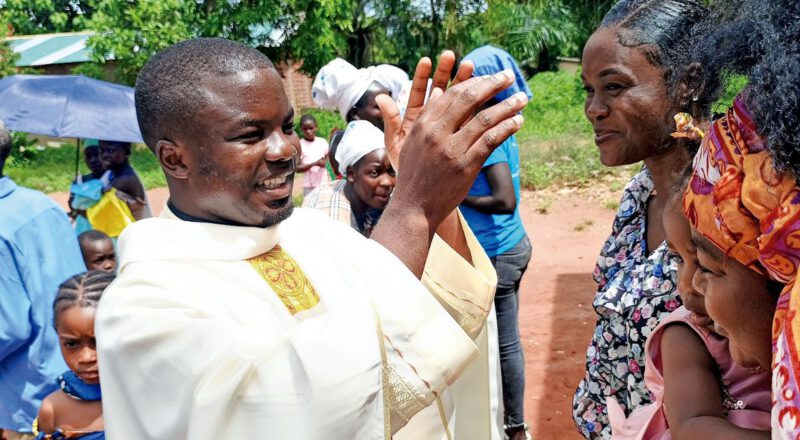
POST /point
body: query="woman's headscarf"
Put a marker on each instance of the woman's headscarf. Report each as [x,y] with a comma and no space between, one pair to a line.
[339,85]
[489,60]
[749,210]
[359,139]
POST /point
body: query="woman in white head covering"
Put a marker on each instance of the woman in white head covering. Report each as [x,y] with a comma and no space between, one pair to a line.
[359,198]
[340,86]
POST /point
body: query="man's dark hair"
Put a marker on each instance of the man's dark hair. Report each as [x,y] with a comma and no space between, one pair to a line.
[169,88]
[5,144]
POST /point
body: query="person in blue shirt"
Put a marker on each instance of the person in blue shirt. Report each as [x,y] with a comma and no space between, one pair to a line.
[492,211]
[38,251]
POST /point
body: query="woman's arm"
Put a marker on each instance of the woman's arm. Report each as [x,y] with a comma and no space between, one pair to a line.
[134,190]
[303,167]
[502,199]
[692,395]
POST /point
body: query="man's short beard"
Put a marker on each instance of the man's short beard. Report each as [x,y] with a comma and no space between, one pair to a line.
[283,210]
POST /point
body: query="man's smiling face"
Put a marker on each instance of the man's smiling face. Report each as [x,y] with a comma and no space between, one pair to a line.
[239,153]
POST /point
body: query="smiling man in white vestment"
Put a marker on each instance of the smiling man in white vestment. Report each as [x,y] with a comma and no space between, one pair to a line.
[235,316]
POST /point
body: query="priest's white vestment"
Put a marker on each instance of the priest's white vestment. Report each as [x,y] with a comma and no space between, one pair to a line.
[301,330]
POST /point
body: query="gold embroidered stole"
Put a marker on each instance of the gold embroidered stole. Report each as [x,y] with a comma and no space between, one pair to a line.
[286,279]
[297,294]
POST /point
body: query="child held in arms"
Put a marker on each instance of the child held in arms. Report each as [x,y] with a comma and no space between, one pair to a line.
[691,369]
[313,155]
[76,409]
[98,251]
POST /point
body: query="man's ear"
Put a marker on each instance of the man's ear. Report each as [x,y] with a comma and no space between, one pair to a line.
[691,88]
[174,158]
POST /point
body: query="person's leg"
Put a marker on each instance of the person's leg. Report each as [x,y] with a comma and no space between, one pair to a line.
[510,267]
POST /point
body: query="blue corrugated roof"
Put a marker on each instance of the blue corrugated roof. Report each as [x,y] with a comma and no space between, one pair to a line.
[46,49]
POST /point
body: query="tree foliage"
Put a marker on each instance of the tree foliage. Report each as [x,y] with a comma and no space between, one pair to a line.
[315,31]
[7,60]
[26,17]
[537,31]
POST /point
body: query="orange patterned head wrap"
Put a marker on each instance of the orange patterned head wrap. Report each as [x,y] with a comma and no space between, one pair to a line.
[741,203]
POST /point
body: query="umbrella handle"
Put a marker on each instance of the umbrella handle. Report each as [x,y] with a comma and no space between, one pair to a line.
[77,158]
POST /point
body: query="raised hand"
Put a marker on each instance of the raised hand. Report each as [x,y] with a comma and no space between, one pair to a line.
[443,151]
[395,129]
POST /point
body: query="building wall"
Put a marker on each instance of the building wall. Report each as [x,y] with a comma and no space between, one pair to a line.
[296,84]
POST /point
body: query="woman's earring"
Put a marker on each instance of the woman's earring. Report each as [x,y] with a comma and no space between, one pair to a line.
[695,99]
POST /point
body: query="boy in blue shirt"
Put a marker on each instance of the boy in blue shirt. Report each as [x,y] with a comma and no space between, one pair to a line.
[492,211]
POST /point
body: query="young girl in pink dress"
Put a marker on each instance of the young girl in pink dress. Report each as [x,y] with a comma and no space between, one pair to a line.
[697,388]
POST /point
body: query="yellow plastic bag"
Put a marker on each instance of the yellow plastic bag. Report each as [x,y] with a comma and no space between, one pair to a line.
[110,215]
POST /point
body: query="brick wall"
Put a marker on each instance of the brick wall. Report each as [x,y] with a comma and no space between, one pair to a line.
[296,84]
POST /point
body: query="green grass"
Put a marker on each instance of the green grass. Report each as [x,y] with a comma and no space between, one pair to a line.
[556,109]
[555,141]
[326,121]
[52,169]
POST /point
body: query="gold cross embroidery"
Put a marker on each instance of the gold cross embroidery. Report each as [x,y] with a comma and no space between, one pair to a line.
[286,278]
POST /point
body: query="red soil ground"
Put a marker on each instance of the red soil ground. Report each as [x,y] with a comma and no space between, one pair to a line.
[556,316]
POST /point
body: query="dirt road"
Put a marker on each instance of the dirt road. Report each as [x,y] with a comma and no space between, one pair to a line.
[556,317]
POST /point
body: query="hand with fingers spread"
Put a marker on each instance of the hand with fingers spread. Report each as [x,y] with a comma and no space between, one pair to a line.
[442,154]
[395,129]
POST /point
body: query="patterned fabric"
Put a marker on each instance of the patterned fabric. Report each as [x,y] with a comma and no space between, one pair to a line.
[286,278]
[331,199]
[72,435]
[635,292]
[750,211]
[74,387]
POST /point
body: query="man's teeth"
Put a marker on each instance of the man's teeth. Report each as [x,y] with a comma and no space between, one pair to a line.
[273,183]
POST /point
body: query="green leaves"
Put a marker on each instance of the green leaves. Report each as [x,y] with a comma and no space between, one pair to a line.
[130,31]
[45,16]
[364,32]
[529,30]
[7,60]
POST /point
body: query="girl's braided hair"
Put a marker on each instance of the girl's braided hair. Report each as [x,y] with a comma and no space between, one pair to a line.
[81,290]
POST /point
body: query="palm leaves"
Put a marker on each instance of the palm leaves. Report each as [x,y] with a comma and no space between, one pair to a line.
[529,29]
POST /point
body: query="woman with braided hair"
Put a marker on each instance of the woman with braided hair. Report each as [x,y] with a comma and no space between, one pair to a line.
[75,410]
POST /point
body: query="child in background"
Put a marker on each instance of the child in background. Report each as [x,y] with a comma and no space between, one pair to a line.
[698,389]
[91,155]
[76,409]
[98,251]
[87,189]
[313,156]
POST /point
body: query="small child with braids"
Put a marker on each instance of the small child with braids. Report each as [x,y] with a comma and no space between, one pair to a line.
[75,411]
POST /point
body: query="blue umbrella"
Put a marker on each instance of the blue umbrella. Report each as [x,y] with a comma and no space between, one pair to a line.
[69,106]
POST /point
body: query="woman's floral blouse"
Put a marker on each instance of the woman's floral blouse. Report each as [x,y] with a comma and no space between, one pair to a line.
[635,291]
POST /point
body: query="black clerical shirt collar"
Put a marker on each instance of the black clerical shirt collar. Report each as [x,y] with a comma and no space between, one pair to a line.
[190,218]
